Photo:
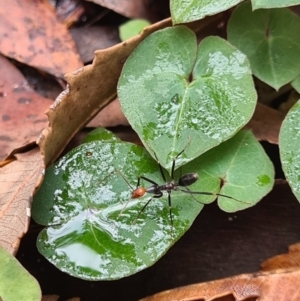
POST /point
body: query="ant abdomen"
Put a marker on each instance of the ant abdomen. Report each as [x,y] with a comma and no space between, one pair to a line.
[188,179]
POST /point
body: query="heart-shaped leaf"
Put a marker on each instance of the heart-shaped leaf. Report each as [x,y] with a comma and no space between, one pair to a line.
[132,28]
[244,170]
[270,40]
[289,145]
[15,282]
[100,134]
[81,201]
[296,84]
[96,232]
[256,4]
[192,10]
[168,111]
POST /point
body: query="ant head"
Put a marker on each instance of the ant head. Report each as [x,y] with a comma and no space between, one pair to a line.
[138,192]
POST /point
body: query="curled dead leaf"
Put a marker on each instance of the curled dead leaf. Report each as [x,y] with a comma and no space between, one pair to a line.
[279,285]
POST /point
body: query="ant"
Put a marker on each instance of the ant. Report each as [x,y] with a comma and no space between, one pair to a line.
[157,190]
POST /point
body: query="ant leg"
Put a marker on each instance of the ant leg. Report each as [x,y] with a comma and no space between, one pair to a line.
[140,212]
[176,157]
[210,193]
[201,193]
[162,173]
[160,168]
[174,160]
[138,182]
[170,212]
[146,204]
[146,179]
[173,164]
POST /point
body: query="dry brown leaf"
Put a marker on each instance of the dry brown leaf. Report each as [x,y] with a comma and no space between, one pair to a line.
[18,182]
[32,34]
[90,89]
[277,282]
[289,260]
[50,298]
[111,115]
[70,12]
[22,110]
[93,38]
[279,285]
[265,123]
[289,102]
[129,8]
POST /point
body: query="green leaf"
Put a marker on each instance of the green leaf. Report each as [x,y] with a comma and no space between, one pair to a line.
[15,282]
[168,111]
[81,199]
[243,168]
[296,84]
[289,142]
[256,4]
[100,134]
[132,28]
[270,40]
[192,10]
[93,231]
